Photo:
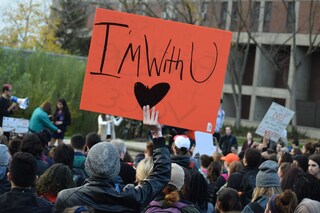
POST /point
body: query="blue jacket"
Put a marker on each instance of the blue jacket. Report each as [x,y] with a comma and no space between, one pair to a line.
[40,120]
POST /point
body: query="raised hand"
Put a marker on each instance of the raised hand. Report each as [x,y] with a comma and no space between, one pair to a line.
[151,121]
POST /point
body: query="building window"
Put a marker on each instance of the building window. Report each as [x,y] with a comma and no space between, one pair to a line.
[255,11]
[234,17]
[223,15]
[290,17]
[267,16]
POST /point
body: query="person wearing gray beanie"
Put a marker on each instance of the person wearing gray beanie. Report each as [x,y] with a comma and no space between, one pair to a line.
[267,185]
[267,175]
[103,161]
[103,164]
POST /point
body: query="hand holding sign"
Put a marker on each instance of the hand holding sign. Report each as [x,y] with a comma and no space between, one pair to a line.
[274,122]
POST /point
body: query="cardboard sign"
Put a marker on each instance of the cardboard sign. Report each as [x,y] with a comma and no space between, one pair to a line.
[136,60]
[204,144]
[15,125]
[275,121]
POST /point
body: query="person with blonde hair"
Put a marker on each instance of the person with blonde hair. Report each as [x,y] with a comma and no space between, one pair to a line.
[144,169]
[267,185]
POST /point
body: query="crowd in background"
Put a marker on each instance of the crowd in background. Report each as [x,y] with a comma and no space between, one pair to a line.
[94,174]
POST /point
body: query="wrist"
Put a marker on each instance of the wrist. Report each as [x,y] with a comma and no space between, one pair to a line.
[156,133]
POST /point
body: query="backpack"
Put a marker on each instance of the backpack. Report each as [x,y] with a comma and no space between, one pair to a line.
[248,183]
[256,207]
[178,207]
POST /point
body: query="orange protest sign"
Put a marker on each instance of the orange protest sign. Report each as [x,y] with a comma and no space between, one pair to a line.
[136,60]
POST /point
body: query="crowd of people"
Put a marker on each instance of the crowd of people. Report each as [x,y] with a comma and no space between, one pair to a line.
[98,175]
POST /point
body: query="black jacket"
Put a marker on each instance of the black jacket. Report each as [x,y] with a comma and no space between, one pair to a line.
[101,195]
[226,142]
[23,200]
[245,182]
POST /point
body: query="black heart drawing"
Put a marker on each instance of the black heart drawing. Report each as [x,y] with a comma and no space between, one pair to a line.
[151,97]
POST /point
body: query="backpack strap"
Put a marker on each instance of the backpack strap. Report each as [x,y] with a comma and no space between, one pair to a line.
[256,207]
[179,205]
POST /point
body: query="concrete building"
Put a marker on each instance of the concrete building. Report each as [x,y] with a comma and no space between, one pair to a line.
[279,58]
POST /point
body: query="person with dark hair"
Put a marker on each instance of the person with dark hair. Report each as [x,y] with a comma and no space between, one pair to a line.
[284,202]
[215,179]
[197,192]
[91,139]
[296,151]
[247,177]
[205,161]
[44,137]
[40,119]
[303,184]
[301,161]
[61,118]
[170,200]
[14,145]
[4,163]
[228,143]
[314,165]
[308,148]
[103,164]
[77,143]
[6,107]
[127,172]
[283,169]
[64,154]
[55,179]
[236,168]
[228,200]
[285,157]
[21,198]
[248,143]
[32,144]
[288,179]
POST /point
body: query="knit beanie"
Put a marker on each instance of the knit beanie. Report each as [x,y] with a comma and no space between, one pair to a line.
[103,161]
[308,205]
[4,155]
[177,176]
[268,176]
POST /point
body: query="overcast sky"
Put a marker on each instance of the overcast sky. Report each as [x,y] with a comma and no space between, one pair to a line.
[5,4]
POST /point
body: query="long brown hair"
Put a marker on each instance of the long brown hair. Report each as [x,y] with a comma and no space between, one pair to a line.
[46,106]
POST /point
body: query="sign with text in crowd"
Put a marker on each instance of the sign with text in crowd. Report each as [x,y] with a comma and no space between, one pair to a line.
[15,125]
[275,121]
[136,60]
[204,144]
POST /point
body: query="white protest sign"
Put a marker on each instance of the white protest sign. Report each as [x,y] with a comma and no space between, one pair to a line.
[204,144]
[16,125]
[275,121]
